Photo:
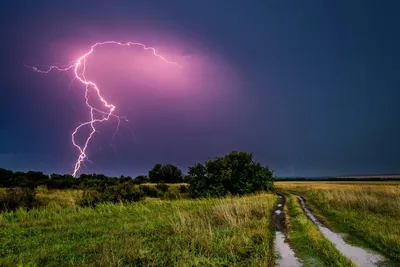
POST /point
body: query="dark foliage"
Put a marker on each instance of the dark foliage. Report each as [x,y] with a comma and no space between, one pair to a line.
[15,198]
[21,179]
[9,179]
[141,179]
[90,198]
[124,192]
[66,181]
[162,187]
[166,173]
[183,189]
[235,173]
[150,191]
[160,173]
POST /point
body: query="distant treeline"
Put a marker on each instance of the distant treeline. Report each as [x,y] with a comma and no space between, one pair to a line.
[337,179]
[166,173]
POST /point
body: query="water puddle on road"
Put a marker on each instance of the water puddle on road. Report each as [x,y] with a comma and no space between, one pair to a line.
[285,255]
[359,256]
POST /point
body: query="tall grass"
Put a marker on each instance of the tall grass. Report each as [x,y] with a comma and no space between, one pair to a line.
[207,232]
[368,212]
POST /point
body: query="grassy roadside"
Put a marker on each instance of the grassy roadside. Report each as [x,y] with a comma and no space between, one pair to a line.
[208,232]
[308,242]
[368,213]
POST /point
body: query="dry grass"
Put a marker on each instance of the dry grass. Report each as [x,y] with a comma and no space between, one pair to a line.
[59,198]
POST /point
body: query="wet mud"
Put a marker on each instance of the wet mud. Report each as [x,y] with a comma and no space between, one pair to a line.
[285,255]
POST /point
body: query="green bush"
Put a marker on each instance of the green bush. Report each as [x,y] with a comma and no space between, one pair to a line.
[236,173]
[162,187]
[123,193]
[15,198]
[90,198]
[141,179]
[150,191]
[183,188]
[126,192]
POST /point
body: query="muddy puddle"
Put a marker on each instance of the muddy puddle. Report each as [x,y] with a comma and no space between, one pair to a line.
[285,255]
[359,256]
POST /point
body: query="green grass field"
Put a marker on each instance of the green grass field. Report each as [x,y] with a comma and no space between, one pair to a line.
[176,231]
[208,232]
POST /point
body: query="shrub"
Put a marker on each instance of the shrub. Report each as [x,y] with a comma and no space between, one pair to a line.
[41,189]
[183,188]
[162,187]
[123,193]
[90,198]
[126,192]
[236,173]
[15,198]
[141,179]
[150,191]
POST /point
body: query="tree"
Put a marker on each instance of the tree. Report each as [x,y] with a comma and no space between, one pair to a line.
[166,173]
[155,173]
[6,178]
[65,181]
[235,173]
[141,179]
[123,179]
[35,179]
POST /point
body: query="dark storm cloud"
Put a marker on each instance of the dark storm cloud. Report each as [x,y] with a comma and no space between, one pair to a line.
[315,91]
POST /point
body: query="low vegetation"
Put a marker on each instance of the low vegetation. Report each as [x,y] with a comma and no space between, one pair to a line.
[14,198]
[308,242]
[368,212]
[206,232]
[219,214]
[95,220]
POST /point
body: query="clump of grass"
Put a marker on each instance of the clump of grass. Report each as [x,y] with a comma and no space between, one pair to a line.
[207,232]
[309,243]
[368,212]
[59,198]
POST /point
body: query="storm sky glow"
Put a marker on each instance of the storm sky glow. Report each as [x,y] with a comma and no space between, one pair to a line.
[310,87]
[79,68]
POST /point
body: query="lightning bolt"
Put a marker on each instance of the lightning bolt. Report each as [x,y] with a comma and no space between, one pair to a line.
[79,69]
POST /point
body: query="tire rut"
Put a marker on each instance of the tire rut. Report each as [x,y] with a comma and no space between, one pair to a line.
[285,255]
[360,256]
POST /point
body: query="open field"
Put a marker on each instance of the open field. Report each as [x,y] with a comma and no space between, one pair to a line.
[208,232]
[173,230]
[369,212]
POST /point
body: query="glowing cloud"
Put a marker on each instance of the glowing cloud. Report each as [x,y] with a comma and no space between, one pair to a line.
[96,115]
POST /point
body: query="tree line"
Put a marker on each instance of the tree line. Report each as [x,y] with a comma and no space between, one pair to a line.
[166,173]
[236,173]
